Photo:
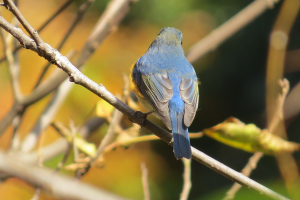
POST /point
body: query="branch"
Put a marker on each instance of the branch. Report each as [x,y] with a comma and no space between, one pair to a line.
[58,185]
[145,181]
[187,183]
[62,8]
[80,13]
[32,32]
[230,27]
[275,66]
[250,166]
[77,77]
[115,11]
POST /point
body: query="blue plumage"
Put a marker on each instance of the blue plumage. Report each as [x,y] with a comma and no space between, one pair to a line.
[165,82]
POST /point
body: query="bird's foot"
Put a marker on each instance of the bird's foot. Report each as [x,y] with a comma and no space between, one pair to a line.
[141,117]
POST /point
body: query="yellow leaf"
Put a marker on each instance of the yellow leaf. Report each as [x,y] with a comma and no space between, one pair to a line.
[86,147]
[103,109]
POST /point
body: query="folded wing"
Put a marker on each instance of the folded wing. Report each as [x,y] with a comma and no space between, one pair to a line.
[157,89]
[190,95]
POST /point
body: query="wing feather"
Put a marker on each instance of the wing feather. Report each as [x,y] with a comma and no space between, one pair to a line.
[190,95]
[157,89]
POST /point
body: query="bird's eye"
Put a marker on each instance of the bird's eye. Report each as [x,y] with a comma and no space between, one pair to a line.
[181,42]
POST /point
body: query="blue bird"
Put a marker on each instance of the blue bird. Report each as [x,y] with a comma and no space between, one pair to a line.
[166,83]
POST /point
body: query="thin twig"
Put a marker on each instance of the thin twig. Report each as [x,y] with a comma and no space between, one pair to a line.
[50,19]
[144,138]
[37,194]
[60,186]
[255,158]
[47,115]
[279,39]
[145,181]
[65,157]
[11,65]
[111,17]
[249,167]
[32,32]
[82,10]
[55,14]
[230,27]
[187,183]
[278,114]
[117,116]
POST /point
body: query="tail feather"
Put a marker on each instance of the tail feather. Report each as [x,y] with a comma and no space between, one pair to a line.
[182,146]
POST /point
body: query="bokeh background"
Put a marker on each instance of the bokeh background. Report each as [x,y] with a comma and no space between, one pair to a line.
[232,84]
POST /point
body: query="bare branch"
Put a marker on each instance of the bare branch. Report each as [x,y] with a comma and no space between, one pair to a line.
[55,14]
[145,181]
[57,185]
[32,32]
[62,8]
[250,166]
[278,114]
[82,10]
[255,158]
[45,119]
[47,115]
[112,16]
[275,66]
[230,27]
[233,175]
[187,183]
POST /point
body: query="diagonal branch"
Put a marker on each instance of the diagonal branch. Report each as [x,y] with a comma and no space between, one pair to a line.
[51,18]
[114,13]
[58,185]
[82,10]
[230,27]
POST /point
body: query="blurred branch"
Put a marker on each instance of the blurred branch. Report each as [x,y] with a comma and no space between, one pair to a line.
[275,66]
[80,13]
[247,170]
[230,27]
[58,185]
[14,79]
[61,145]
[117,116]
[255,158]
[62,8]
[187,183]
[114,13]
[57,147]
[37,194]
[55,14]
[144,138]
[32,32]
[278,114]
[11,65]
[145,181]
[46,116]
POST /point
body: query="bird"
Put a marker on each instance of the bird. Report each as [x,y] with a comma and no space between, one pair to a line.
[166,84]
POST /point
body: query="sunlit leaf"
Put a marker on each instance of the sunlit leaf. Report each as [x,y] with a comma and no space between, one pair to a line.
[249,138]
[103,109]
[86,147]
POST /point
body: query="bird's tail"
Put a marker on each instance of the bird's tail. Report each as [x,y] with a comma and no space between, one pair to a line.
[182,146]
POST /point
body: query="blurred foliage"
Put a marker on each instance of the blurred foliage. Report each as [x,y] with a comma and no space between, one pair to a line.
[232,84]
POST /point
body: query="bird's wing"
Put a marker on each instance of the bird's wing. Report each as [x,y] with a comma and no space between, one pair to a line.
[190,95]
[157,89]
